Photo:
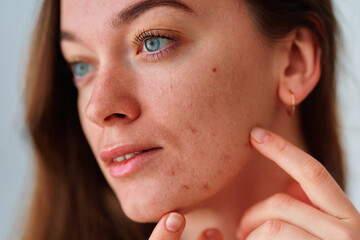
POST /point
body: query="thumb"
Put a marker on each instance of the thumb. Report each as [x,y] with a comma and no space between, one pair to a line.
[169,227]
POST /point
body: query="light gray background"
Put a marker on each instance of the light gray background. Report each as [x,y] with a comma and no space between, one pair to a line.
[16,23]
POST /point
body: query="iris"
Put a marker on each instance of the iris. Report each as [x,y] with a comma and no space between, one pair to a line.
[153,44]
[81,69]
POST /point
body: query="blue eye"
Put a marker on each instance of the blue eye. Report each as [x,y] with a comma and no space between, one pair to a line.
[154,44]
[80,69]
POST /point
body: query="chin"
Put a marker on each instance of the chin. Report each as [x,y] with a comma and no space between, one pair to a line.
[142,211]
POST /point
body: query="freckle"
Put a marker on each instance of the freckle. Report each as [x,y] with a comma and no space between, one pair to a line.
[185,187]
[206,186]
[214,69]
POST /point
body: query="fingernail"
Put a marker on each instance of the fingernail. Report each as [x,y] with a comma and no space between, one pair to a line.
[259,135]
[213,234]
[174,222]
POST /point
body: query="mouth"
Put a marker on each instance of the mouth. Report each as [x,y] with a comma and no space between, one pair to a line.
[131,155]
[124,160]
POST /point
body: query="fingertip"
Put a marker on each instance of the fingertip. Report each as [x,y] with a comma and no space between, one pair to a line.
[259,135]
[175,222]
[170,227]
[211,234]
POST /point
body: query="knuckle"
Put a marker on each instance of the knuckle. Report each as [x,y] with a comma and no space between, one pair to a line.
[281,201]
[272,228]
[282,146]
[315,172]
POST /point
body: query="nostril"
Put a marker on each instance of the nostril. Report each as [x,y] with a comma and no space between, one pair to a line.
[120,115]
[115,115]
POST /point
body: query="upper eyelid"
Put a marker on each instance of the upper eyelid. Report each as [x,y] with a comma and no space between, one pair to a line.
[165,33]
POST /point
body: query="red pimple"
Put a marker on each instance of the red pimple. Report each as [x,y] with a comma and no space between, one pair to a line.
[185,187]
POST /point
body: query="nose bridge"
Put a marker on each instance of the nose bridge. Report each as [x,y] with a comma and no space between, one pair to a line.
[112,98]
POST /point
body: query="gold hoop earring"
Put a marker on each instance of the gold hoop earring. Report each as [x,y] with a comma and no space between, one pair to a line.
[291,112]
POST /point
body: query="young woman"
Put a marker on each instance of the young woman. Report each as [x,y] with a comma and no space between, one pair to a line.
[149,111]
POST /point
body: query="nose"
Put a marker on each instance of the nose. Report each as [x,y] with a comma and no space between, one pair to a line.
[112,100]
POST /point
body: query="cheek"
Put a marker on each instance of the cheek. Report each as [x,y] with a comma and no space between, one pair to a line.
[210,109]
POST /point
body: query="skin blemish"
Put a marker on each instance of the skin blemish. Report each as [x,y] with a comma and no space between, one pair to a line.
[206,187]
[214,69]
[193,130]
[185,187]
[172,173]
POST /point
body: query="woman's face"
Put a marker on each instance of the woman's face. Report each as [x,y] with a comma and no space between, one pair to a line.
[186,79]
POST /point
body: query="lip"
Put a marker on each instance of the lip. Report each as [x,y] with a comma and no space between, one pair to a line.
[127,167]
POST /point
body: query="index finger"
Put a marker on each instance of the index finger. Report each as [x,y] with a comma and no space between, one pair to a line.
[320,187]
[169,227]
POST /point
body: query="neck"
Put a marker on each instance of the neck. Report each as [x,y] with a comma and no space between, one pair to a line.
[259,179]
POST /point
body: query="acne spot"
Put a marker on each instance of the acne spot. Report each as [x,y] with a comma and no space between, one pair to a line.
[206,187]
[193,130]
[172,173]
[214,69]
[185,187]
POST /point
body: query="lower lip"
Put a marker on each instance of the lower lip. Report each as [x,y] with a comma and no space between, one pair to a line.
[130,166]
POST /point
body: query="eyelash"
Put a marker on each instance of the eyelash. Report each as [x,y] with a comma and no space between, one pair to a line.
[144,35]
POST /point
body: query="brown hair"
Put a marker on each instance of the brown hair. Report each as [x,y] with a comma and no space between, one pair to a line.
[75,202]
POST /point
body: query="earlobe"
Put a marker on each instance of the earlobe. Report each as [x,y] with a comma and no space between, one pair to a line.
[303,67]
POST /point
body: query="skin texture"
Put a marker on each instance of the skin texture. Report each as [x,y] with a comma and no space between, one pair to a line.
[198,101]
[200,117]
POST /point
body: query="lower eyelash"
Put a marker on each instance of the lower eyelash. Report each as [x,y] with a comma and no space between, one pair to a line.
[159,54]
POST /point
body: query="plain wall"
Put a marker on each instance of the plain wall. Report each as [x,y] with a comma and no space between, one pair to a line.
[16,22]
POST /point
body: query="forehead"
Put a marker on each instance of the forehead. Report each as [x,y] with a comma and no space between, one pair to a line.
[89,12]
[96,22]
[96,11]
[94,18]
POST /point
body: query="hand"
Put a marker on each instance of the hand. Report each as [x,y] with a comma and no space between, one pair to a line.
[281,216]
[171,226]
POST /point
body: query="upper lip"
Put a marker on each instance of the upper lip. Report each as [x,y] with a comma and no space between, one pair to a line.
[108,154]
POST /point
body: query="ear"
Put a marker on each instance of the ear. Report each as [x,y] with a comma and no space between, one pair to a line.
[302,67]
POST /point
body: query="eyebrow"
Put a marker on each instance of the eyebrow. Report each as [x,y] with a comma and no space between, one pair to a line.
[131,13]
[68,36]
[134,11]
